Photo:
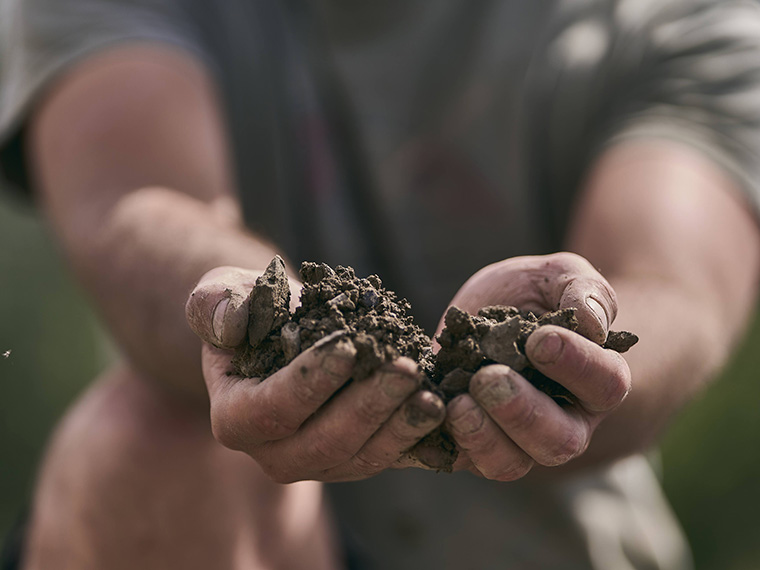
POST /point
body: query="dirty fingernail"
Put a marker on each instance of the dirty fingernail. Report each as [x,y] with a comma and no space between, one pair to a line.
[339,358]
[217,319]
[599,312]
[494,391]
[397,385]
[337,365]
[470,420]
[424,409]
[548,349]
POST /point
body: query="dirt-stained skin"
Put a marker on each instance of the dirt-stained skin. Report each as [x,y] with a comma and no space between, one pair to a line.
[338,307]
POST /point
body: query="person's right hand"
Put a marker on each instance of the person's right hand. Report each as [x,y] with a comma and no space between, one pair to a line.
[306,421]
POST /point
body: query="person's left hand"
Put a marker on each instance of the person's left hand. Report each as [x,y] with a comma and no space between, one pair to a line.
[505,425]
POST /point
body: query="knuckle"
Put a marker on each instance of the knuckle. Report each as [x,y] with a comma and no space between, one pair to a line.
[405,429]
[224,432]
[308,393]
[404,435]
[479,442]
[567,260]
[327,451]
[581,367]
[571,447]
[316,387]
[522,415]
[615,388]
[372,411]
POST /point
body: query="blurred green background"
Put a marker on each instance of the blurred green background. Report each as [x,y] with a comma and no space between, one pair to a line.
[711,456]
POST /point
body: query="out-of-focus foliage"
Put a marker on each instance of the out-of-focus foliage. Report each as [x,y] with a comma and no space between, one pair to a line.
[711,456]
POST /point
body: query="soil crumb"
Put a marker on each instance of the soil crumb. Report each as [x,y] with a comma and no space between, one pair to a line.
[381,329]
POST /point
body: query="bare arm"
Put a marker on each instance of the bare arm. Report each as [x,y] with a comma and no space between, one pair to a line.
[680,249]
[130,160]
[675,238]
[130,156]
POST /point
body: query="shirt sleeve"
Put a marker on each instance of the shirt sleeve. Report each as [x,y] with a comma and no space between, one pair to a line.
[41,39]
[683,70]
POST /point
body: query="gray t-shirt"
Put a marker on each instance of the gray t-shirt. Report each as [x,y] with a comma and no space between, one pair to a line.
[422,140]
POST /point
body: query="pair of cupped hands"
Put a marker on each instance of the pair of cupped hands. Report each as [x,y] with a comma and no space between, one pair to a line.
[307,421]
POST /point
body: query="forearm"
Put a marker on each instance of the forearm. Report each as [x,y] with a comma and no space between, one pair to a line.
[131,166]
[681,348]
[139,265]
[671,233]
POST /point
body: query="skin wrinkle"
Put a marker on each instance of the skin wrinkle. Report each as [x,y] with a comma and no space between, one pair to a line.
[470,422]
[616,390]
[549,349]
[273,423]
[398,383]
[572,447]
[424,407]
[372,410]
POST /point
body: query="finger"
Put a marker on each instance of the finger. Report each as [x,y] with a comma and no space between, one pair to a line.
[548,433]
[420,414]
[599,378]
[572,282]
[248,411]
[347,422]
[217,309]
[492,453]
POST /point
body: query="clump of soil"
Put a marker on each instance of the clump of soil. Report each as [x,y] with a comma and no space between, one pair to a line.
[378,323]
[370,316]
[497,335]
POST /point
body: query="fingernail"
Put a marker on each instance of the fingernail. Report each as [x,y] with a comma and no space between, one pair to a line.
[599,312]
[494,391]
[424,410]
[470,421]
[395,385]
[217,319]
[548,349]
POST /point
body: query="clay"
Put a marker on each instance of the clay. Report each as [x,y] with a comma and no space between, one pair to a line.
[335,302]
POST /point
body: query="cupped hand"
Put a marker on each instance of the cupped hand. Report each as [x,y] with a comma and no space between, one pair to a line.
[504,425]
[306,421]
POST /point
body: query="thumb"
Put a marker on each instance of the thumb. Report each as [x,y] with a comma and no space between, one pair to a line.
[594,302]
[217,309]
